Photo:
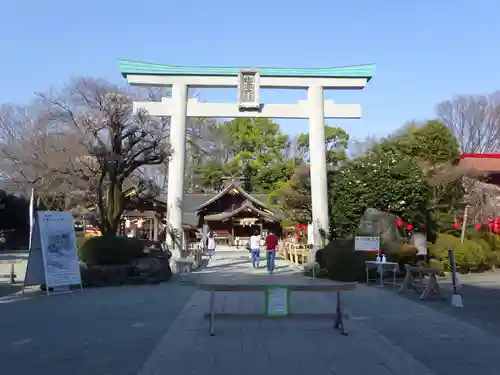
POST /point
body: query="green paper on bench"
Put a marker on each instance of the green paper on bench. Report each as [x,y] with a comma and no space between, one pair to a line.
[277,301]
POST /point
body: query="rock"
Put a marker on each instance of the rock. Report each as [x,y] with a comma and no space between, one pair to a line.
[146,266]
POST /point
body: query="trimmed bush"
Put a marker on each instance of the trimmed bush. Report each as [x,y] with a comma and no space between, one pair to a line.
[108,250]
[469,256]
[436,264]
[343,263]
[80,240]
[493,240]
[401,253]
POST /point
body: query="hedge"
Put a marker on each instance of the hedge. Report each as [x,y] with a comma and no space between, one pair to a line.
[107,250]
[473,255]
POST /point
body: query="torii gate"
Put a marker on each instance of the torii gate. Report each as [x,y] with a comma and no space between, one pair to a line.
[248,81]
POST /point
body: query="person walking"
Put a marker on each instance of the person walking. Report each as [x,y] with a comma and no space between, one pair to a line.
[271,246]
[255,249]
[211,245]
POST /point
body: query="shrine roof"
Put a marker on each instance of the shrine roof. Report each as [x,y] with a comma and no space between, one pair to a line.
[231,188]
[128,67]
[482,162]
[247,206]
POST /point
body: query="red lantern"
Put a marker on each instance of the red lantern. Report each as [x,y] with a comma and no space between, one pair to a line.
[305,228]
[299,226]
[409,226]
[399,223]
[456,225]
[478,226]
[490,225]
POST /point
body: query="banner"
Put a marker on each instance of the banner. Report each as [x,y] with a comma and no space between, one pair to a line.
[53,258]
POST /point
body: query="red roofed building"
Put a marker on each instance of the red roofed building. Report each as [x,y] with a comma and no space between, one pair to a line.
[487,163]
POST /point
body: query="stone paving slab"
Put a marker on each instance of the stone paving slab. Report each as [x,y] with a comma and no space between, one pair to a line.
[445,344]
[269,346]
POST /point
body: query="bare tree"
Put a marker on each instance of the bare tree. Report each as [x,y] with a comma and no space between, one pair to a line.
[86,136]
[30,150]
[474,120]
[361,147]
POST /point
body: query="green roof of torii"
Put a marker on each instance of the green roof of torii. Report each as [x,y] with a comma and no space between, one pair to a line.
[138,67]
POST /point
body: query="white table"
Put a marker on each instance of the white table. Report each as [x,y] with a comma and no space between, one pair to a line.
[381,268]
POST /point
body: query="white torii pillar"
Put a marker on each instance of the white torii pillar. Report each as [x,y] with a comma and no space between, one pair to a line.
[176,168]
[317,153]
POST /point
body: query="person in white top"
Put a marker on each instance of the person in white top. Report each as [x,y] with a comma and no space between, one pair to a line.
[255,249]
[211,244]
[419,240]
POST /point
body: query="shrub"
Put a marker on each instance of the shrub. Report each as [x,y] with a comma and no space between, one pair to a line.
[493,240]
[80,240]
[493,258]
[343,263]
[469,256]
[107,250]
[401,253]
[436,264]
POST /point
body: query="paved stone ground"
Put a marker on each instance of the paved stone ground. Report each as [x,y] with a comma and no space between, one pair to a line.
[138,330]
[481,297]
[388,334]
[101,331]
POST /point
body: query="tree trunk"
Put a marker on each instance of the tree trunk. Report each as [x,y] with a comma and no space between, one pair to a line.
[114,208]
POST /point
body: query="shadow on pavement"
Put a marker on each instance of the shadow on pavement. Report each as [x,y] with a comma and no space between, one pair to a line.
[7,289]
[481,302]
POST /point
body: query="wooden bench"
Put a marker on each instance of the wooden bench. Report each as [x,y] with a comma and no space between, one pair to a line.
[12,274]
[251,287]
[432,287]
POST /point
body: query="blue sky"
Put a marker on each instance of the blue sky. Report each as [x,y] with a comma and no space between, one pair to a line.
[425,51]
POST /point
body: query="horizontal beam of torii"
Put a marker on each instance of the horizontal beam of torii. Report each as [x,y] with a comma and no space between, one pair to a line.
[300,110]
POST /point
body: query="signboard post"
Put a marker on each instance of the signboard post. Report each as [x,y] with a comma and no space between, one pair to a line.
[53,258]
[367,244]
[277,301]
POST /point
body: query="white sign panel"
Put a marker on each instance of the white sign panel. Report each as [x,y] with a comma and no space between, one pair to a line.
[59,251]
[277,301]
[365,243]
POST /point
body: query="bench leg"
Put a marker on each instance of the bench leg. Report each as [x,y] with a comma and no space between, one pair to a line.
[407,283]
[432,288]
[12,274]
[339,321]
[212,313]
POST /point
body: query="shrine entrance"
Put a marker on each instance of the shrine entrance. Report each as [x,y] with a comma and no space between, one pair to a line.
[249,82]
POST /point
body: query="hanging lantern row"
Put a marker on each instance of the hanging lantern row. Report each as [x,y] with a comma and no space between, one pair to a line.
[493,224]
[400,224]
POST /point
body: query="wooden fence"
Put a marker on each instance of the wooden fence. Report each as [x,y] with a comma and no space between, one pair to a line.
[294,252]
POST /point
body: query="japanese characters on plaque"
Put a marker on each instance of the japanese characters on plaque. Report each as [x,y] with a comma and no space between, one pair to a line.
[248,89]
